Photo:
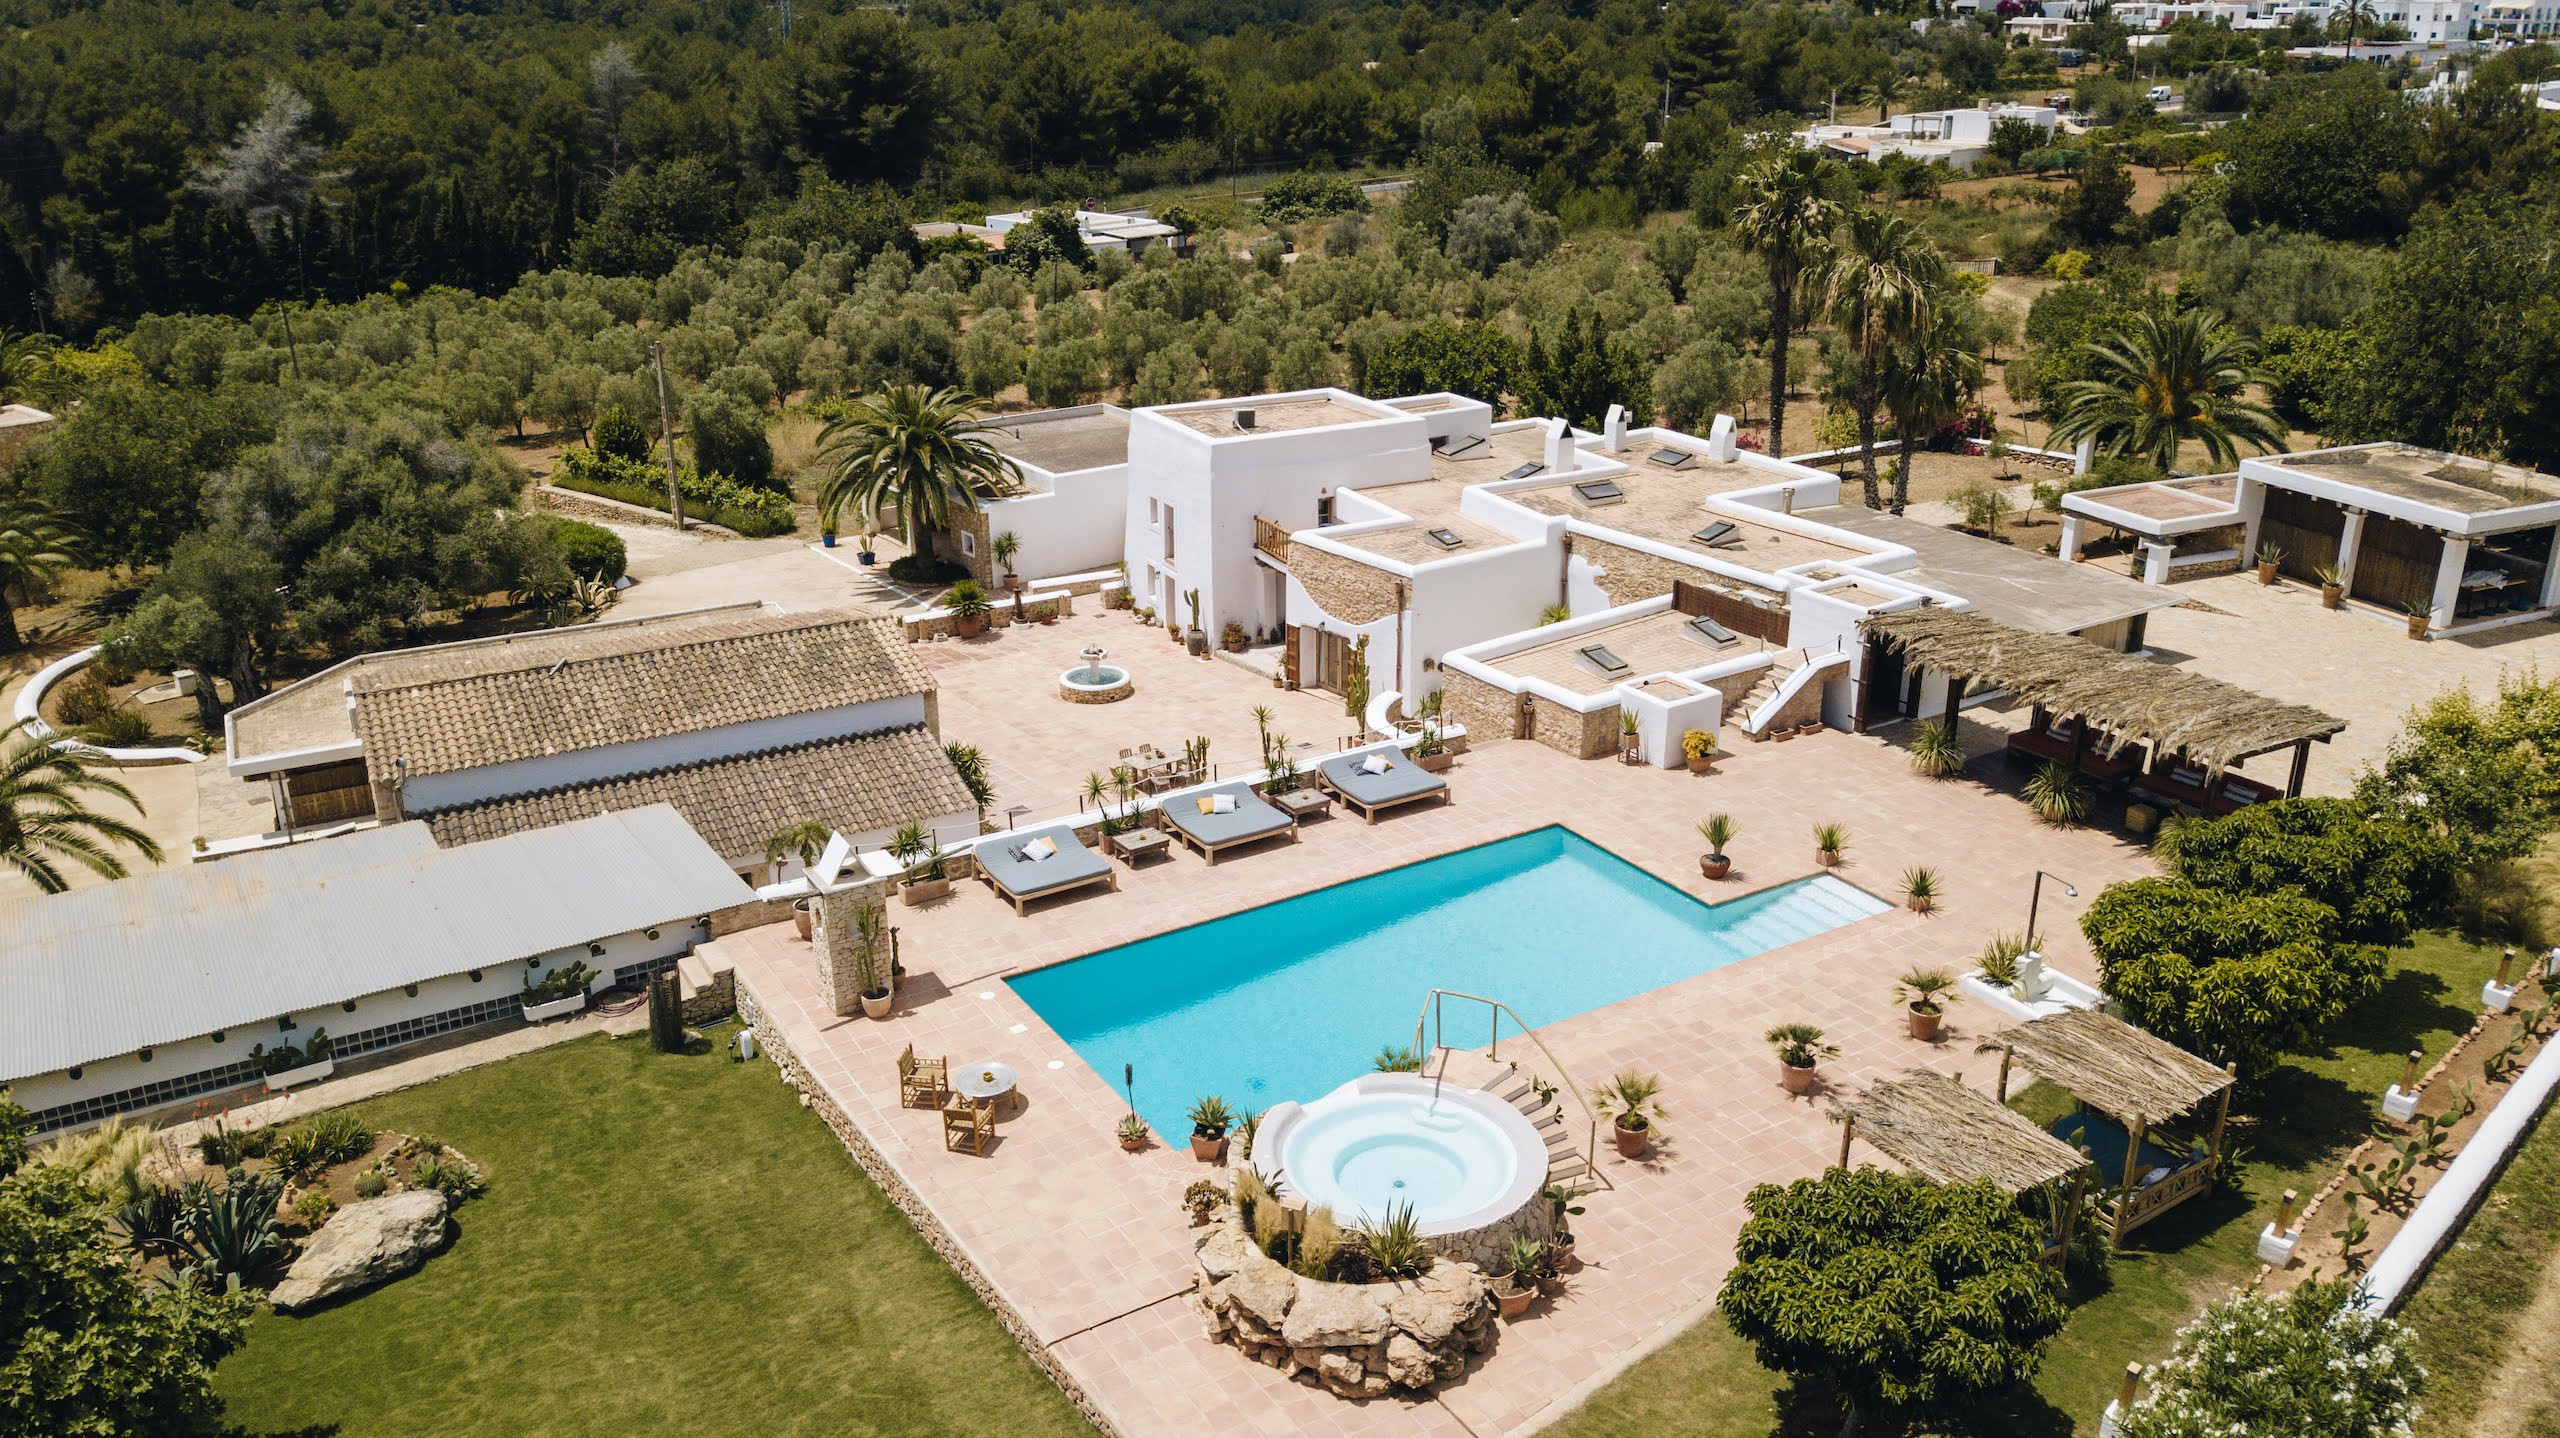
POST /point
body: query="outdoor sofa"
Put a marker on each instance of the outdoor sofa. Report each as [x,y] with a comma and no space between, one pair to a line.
[1252,818]
[1020,878]
[1404,782]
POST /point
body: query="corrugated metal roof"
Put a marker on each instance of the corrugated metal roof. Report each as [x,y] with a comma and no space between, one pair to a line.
[180,952]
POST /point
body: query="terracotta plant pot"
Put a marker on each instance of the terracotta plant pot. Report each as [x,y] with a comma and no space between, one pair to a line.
[1631,1142]
[2332,595]
[1514,1301]
[1920,903]
[1715,866]
[1703,764]
[1436,763]
[1568,1259]
[1925,1023]
[877,1005]
[1827,858]
[918,891]
[1208,1150]
[968,628]
[1013,583]
[1551,1284]
[800,918]
[2266,574]
[1797,1080]
[1133,1145]
[2418,626]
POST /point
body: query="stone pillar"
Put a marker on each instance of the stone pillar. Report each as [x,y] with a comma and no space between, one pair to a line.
[2350,540]
[2070,536]
[2457,554]
[2250,498]
[832,942]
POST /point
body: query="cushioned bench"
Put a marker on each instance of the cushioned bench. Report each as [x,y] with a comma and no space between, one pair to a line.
[1404,783]
[1020,879]
[1253,818]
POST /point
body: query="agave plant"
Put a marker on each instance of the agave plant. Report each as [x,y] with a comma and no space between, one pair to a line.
[1936,752]
[1718,830]
[230,1232]
[1999,958]
[2058,794]
[1396,1244]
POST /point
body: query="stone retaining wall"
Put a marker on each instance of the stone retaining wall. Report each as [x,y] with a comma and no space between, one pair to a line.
[1343,588]
[1359,1340]
[578,504]
[894,1186]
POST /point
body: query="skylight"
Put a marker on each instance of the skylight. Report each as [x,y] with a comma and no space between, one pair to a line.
[1459,446]
[1672,458]
[1719,535]
[1599,657]
[1710,631]
[1445,538]
[1533,467]
[1599,491]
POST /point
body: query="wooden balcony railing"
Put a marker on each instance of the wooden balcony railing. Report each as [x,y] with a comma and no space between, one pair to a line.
[1271,537]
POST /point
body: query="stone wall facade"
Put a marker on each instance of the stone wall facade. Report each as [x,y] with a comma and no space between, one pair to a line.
[1627,575]
[1485,712]
[1343,588]
[1001,617]
[1584,736]
[715,1002]
[832,944]
[895,1187]
[1358,1340]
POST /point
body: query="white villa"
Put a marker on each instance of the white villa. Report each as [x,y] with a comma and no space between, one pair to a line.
[2469,542]
[1423,544]
[1958,137]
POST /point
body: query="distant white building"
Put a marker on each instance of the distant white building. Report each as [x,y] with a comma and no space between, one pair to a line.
[1958,137]
[1137,232]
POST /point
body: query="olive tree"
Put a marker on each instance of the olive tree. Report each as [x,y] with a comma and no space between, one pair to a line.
[1906,1297]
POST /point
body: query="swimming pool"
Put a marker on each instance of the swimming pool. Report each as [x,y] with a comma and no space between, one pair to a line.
[1289,1000]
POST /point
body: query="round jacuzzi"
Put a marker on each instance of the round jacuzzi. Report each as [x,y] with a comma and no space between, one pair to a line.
[1463,1160]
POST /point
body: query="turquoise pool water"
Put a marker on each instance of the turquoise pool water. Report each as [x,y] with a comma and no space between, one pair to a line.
[1289,1000]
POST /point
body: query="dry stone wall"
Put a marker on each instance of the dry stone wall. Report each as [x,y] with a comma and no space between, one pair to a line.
[1359,1340]
[1345,589]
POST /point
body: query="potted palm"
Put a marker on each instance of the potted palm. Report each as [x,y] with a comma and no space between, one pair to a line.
[2421,614]
[969,606]
[1432,752]
[1920,888]
[1210,1120]
[806,841]
[1524,1262]
[1195,639]
[1718,830]
[2333,586]
[1926,992]
[827,534]
[1561,1210]
[1133,1134]
[1800,1048]
[1936,751]
[1698,747]
[2269,556]
[1004,547]
[1830,841]
[1628,1101]
[870,924]
[914,848]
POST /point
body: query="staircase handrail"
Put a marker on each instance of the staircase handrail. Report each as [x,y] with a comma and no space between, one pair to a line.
[1431,1016]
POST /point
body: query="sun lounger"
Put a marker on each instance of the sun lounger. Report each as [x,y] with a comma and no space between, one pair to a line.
[1020,878]
[1253,818]
[1404,782]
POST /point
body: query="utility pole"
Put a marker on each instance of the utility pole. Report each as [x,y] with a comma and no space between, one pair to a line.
[667,429]
[290,348]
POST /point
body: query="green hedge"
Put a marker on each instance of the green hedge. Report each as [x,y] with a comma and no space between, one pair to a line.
[712,497]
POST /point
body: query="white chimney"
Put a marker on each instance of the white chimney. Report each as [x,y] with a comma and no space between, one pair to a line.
[1616,427]
[1559,446]
[1720,440]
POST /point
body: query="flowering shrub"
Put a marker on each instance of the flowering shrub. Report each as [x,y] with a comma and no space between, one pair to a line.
[2308,1364]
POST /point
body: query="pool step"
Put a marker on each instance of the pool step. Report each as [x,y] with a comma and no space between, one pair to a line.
[1567,1164]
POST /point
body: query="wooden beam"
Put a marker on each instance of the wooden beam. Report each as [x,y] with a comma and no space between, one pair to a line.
[2133,1137]
[2301,763]
[2000,1090]
[2222,1113]
[1848,1127]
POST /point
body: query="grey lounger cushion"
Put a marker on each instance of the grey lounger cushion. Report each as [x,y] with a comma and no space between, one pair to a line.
[1251,819]
[1072,864]
[1407,780]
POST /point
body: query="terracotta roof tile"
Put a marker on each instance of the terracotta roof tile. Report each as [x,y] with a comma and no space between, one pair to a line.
[855,785]
[467,709]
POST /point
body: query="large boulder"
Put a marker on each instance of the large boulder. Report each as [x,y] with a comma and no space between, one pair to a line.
[365,1244]
[1335,1315]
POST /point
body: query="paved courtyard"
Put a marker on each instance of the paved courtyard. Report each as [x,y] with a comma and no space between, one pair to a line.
[1087,1243]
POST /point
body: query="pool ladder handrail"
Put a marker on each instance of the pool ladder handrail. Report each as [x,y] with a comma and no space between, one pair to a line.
[1431,1016]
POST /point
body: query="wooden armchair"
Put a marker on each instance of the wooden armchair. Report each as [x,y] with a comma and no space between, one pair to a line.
[929,1079]
[969,1124]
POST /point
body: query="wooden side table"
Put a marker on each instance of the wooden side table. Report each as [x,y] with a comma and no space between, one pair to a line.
[1137,844]
[1299,803]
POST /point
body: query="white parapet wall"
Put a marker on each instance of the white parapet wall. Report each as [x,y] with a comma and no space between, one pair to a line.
[2405,1260]
[30,705]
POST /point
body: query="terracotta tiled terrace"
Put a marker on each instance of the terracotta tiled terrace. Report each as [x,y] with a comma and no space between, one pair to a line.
[1086,1242]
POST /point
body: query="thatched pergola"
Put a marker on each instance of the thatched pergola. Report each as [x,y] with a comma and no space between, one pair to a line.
[2135,1079]
[2116,701]
[1947,1133]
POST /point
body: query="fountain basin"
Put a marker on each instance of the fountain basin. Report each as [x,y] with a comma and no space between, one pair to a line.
[1095,684]
[1470,1166]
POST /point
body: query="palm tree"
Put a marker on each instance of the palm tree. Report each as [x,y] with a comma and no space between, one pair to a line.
[2162,380]
[27,375]
[43,816]
[1785,218]
[1928,378]
[1876,285]
[913,455]
[34,545]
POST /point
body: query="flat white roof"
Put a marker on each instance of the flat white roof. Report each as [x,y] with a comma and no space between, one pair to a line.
[176,953]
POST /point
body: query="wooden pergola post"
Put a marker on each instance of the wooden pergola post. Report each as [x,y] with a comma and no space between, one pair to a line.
[2222,1116]
[2000,1090]
[2134,1134]
[1848,1128]
[2301,763]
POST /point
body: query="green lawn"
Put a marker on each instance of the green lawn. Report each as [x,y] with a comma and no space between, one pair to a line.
[1706,1383]
[669,1244]
[2470,1304]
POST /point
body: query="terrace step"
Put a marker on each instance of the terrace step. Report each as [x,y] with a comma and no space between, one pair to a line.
[1781,666]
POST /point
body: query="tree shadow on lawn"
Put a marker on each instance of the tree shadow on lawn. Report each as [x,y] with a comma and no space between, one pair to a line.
[1812,1411]
[2297,1115]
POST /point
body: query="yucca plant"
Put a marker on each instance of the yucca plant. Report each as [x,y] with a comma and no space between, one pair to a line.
[1393,1059]
[2058,794]
[1396,1244]
[1830,841]
[1211,1118]
[1524,1260]
[1920,886]
[1999,958]
[1936,752]
[1718,830]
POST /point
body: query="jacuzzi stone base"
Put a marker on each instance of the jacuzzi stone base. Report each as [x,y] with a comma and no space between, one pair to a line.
[1112,695]
[1360,1340]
